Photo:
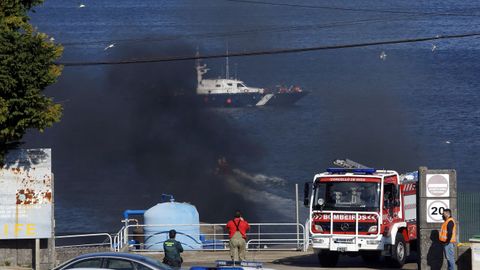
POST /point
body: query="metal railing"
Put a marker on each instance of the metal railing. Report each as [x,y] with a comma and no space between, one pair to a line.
[262,236]
[212,237]
[85,240]
[468,205]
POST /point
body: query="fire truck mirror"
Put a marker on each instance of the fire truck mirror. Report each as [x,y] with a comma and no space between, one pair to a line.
[306,192]
[396,194]
[388,203]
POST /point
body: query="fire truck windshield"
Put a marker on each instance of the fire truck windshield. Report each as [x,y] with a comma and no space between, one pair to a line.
[347,196]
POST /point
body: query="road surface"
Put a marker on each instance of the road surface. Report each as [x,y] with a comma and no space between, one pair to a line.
[281,260]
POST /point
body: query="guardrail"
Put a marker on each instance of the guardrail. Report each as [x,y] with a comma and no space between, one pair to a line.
[212,237]
[81,240]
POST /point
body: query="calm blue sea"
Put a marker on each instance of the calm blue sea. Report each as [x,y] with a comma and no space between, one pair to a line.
[120,147]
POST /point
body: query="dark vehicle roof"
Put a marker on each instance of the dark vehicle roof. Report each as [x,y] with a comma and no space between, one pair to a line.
[113,254]
[140,258]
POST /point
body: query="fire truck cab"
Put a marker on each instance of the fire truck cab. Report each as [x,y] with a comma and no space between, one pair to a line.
[362,211]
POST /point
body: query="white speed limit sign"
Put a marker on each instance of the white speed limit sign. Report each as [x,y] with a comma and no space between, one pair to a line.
[435,210]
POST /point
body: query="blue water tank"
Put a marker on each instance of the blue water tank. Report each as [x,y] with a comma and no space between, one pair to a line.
[158,218]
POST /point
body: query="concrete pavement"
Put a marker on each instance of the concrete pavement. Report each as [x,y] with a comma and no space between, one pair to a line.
[282,260]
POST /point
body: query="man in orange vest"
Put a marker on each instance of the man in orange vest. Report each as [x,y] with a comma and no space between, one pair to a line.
[448,237]
[237,232]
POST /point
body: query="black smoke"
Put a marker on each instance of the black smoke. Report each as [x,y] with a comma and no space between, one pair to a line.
[127,137]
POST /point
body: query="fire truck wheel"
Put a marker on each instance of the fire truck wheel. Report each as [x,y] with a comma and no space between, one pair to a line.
[371,256]
[399,252]
[328,258]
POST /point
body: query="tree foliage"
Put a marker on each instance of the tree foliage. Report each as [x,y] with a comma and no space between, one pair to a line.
[26,69]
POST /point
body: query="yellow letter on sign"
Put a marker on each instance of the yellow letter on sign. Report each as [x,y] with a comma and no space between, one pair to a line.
[30,230]
[18,228]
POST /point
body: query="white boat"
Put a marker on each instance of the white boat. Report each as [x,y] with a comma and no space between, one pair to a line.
[228,92]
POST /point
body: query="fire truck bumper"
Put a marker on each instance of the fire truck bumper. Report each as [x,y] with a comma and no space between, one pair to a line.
[346,244]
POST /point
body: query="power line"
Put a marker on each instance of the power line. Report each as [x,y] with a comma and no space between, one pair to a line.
[242,32]
[283,29]
[353,9]
[269,52]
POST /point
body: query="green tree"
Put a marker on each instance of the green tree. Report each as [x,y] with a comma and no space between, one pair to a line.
[26,68]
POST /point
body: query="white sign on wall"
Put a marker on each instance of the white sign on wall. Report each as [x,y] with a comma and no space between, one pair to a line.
[438,185]
[26,195]
[435,210]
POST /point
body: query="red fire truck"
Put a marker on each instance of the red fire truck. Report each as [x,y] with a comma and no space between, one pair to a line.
[362,211]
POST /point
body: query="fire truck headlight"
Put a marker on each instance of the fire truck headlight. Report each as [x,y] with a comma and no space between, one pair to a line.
[318,228]
[372,229]
[373,242]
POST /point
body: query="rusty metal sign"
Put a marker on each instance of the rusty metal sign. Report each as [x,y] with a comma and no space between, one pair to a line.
[26,195]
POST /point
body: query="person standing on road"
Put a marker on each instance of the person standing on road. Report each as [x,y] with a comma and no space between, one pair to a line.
[172,249]
[237,232]
[448,237]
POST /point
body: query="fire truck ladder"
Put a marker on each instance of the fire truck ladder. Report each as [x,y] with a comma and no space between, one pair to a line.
[348,164]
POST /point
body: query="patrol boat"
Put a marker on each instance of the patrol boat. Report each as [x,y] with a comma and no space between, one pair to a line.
[230,92]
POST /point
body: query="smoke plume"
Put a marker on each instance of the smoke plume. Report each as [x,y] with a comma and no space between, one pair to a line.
[127,137]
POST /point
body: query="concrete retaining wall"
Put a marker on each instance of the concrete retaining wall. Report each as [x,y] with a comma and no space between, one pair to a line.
[21,252]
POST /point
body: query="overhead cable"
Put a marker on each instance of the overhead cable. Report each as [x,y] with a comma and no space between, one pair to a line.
[269,52]
[239,33]
[355,9]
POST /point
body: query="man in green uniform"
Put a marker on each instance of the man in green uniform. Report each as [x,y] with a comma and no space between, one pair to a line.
[172,249]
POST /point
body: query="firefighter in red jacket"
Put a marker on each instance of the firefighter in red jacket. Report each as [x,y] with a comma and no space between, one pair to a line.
[448,237]
[237,232]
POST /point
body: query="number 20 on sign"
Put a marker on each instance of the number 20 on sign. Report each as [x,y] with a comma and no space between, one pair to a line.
[435,210]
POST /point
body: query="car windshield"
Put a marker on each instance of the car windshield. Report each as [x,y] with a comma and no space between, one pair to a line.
[347,196]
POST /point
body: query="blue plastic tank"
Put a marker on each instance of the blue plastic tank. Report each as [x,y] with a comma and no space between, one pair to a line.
[167,213]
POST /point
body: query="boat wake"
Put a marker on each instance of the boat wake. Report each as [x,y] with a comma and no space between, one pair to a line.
[267,193]
[261,179]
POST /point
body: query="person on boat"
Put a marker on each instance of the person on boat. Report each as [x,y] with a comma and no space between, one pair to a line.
[223,167]
[297,89]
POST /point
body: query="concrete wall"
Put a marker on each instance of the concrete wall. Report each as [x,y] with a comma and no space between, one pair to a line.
[430,249]
[21,252]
